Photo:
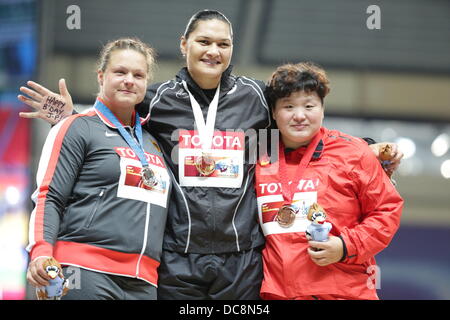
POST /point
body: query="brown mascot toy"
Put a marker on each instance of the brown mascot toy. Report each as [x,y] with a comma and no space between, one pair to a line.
[58,286]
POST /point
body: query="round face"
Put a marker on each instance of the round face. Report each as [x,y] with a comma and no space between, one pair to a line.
[299,118]
[124,82]
[208,52]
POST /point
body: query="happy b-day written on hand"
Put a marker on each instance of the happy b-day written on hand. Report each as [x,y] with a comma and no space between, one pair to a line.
[54,108]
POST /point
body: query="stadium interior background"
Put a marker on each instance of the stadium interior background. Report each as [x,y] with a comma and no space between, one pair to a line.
[391,84]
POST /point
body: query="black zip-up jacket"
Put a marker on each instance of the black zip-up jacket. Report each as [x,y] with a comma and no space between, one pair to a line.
[208,220]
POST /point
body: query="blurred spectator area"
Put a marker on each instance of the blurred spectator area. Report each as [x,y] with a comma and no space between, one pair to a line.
[401,70]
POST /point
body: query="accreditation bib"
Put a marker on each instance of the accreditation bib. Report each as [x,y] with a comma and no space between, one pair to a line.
[270,200]
[222,165]
[131,185]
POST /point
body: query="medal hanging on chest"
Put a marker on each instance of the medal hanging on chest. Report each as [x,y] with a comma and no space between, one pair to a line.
[205,164]
[286,216]
[148,176]
[287,213]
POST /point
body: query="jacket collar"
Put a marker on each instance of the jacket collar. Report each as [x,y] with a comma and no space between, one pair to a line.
[298,153]
[226,83]
[109,123]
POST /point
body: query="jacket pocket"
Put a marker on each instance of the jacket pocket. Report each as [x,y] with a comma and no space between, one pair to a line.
[98,200]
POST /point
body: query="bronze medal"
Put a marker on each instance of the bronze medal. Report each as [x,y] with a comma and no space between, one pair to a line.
[287,213]
[148,177]
[205,164]
[286,216]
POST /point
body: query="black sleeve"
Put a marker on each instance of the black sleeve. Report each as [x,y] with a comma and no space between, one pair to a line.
[369,140]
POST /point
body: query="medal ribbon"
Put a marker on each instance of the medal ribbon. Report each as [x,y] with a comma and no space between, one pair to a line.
[289,190]
[205,130]
[137,148]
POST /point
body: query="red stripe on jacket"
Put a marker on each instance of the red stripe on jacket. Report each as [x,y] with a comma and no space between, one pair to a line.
[42,247]
[106,260]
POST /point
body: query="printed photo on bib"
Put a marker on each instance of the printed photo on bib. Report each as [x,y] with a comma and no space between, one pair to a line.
[220,166]
[270,200]
[130,182]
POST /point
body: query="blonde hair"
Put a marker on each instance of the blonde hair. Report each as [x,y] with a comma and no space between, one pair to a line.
[127,44]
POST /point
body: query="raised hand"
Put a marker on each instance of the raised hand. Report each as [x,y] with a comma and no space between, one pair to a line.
[50,106]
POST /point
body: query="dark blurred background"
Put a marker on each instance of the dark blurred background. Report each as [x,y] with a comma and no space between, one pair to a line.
[391,84]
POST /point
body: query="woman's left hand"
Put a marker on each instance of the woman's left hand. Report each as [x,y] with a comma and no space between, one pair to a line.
[331,251]
[397,155]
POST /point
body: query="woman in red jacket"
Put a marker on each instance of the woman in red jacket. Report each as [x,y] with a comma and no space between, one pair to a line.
[335,170]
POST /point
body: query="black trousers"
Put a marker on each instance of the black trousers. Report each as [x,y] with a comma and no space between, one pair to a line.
[228,276]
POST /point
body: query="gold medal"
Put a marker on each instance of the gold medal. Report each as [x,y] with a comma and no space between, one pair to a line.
[205,164]
[148,177]
[286,216]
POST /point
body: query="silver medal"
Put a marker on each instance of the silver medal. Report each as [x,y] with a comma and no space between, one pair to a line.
[148,177]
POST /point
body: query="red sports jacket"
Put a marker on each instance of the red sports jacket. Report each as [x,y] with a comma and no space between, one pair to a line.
[346,179]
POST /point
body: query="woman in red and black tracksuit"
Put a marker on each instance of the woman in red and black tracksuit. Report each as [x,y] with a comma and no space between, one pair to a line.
[92,215]
[335,170]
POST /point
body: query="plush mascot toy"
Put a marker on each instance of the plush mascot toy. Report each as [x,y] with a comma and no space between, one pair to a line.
[58,286]
[386,157]
[319,228]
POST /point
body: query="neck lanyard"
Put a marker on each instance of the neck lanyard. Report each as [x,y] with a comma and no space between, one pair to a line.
[288,190]
[205,130]
[137,148]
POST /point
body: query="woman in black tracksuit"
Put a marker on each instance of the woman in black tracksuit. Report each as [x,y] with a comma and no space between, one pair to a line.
[212,242]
